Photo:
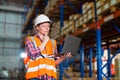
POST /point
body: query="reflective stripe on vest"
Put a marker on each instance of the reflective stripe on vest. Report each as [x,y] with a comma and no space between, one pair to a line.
[49,67]
[40,65]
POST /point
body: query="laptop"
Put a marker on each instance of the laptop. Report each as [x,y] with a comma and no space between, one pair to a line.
[71,44]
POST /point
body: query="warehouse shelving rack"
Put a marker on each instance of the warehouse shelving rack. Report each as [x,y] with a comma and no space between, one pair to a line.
[103,20]
[98,42]
[95,25]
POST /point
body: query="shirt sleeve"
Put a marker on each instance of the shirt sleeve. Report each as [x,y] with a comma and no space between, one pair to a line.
[32,51]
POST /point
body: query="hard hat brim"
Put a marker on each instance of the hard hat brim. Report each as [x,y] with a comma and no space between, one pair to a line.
[43,22]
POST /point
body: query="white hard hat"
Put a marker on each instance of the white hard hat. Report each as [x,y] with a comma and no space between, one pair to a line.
[41,19]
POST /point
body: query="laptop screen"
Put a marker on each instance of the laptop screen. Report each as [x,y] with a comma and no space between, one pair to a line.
[71,44]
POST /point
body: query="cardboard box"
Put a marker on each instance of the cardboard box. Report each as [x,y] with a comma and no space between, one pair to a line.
[99,3]
[106,6]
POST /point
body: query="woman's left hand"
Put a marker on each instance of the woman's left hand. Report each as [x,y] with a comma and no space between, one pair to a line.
[68,55]
[63,57]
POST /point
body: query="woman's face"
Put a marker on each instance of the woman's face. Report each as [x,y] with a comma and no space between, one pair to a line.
[43,28]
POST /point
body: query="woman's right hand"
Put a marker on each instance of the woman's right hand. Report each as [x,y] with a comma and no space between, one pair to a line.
[44,42]
[46,38]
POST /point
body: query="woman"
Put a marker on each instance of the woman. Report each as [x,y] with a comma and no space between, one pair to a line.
[40,62]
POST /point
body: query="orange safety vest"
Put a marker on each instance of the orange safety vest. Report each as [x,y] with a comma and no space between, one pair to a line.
[112,67]
[40,65]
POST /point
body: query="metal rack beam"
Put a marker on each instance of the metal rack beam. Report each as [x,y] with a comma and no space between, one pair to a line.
[103,20]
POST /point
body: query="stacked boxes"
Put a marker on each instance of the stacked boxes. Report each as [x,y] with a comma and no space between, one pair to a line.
[71,26]
[68,27]
[114,2]
[85,18]
[77,21]
[64,28]
[106,5]
[50,5]
[90,12]
[99,8]
[84,8]
[117,66]
[55,30]
[99,3]
[110,6]
[47,8]
[53,2]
